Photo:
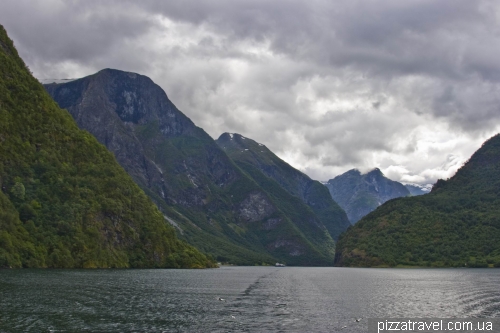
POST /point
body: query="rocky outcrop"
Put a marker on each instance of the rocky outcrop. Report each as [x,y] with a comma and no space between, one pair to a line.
[359,194]
[313,196]
[255,207]
[271,224]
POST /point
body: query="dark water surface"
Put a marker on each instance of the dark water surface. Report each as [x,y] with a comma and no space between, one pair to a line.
[256,299]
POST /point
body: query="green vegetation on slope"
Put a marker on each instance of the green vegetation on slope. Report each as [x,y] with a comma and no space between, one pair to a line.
[457,224]
[313,197]
[64,201]
[218,229]
[301,216]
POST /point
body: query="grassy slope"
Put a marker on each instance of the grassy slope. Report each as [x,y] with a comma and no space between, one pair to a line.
[64,200]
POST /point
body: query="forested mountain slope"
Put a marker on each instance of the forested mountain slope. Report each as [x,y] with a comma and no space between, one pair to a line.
[457,224]
[266,168]
[64,200]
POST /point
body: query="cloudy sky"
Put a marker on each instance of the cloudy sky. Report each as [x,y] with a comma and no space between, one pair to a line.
[411,87]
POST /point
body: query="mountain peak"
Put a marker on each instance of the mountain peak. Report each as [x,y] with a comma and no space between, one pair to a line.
[352,172]
[115,71]
[234,141]
[231,136]
[360,193]
[376,171]
[228,136]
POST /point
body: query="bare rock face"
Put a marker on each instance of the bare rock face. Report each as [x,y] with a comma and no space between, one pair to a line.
[133,117]
[359,194]
[292,248]
[195,184]
[255,207]
[271,223]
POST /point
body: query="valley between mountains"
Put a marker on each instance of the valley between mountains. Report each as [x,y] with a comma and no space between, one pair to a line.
[105,171]
[231,209]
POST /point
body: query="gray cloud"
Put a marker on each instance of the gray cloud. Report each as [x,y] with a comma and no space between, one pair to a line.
[411,87]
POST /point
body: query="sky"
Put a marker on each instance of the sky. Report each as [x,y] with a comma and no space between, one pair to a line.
[411,87]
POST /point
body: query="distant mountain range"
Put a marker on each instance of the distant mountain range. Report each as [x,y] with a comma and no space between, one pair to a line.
[234,212]
[359,194]
[457,224]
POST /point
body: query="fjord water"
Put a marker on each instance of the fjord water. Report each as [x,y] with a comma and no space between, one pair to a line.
[255,299]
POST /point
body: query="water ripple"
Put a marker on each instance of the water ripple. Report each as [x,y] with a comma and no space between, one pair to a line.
[239,299]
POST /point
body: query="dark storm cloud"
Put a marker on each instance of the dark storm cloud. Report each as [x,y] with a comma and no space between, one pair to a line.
[329,85]
[50,32]
[449,40]
[393,36]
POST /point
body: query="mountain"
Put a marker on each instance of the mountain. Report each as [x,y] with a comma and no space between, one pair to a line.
[359,194]
[267,168]
[64,201]
[416,189]
[214,205]
[457,224]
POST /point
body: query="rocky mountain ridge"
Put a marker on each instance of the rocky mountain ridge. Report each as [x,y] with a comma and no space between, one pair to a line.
[359,194]
[249,154]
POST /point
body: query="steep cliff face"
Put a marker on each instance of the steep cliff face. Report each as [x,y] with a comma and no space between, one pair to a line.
[359,194]
[64,201]
[210,201]
[133,118]
[313,197]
